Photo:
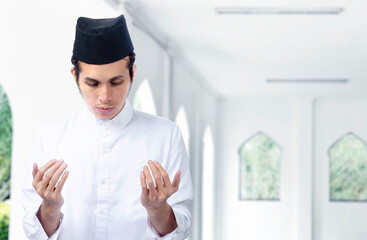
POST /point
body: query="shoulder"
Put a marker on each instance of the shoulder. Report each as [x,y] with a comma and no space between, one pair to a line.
[59,125]
[153,120]
[156,124]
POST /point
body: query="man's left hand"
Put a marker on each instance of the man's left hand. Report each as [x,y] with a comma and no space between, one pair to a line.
[154,197]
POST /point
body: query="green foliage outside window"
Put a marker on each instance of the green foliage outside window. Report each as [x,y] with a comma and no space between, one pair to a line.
[260,169]
[348,169]
[5,161]
[4,220]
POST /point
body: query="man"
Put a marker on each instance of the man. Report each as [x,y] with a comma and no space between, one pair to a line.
[86,167]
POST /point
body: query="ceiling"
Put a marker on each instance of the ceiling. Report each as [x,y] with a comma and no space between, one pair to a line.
[236,54]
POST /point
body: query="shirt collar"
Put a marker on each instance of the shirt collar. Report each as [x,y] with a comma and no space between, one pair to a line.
[120,121]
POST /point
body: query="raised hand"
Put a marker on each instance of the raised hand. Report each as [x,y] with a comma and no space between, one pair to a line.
[45,180]
[155,197]
[48,181]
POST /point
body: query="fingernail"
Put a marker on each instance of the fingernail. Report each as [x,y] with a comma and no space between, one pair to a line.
[150,161]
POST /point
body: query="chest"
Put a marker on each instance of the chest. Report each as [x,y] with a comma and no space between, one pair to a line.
[105,168]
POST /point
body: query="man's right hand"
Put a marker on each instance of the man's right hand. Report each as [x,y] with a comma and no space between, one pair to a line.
[48,182]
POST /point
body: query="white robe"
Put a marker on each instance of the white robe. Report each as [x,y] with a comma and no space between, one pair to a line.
[105,158]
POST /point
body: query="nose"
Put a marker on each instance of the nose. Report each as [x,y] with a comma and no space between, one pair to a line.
[105,94]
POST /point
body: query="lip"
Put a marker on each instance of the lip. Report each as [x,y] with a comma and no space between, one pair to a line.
[104,110]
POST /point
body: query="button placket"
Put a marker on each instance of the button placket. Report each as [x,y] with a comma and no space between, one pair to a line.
[103,185]
[105,127]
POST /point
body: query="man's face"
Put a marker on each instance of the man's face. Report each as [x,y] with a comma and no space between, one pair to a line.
[105,87]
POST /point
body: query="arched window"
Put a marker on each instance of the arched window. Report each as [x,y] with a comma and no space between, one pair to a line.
[348,169]
[5,162]
[207,202]
[260,160]
[181,121]
[143,99]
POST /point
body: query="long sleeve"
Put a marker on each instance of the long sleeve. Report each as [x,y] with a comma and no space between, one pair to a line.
[31,201]
[182,201]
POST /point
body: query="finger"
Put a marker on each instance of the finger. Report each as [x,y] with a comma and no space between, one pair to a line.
[176,181]
[61,182]
[156,174]
[50,173]
[143,183]
[43,169]
[35,170]
[164,174]
[150,181]
[55,178]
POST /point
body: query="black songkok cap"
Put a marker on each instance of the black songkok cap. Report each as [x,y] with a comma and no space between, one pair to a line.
[102,41]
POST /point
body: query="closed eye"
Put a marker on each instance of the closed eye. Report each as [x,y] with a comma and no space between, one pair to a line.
[116,83]
[91,82]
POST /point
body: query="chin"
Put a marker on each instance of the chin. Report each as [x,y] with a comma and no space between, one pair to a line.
[104,117]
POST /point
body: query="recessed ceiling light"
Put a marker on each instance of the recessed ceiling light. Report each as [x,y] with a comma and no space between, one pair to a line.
[308,80]
[279,10]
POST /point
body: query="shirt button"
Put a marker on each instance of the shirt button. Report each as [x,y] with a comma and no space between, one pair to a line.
[103,181]
[106,128]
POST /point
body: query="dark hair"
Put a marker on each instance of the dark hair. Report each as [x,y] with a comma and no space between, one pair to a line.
[131,56]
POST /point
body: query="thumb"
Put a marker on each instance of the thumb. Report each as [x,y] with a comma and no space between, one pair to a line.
[176,181]
[35,169]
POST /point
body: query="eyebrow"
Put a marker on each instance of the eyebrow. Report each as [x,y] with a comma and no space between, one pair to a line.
[111,79]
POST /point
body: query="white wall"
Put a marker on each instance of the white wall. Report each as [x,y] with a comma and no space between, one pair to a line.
[36,45]
[288,122]
[153,64]
[335,117]
[201,109]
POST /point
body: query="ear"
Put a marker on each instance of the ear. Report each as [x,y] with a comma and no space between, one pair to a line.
[73,73]
[133,72]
